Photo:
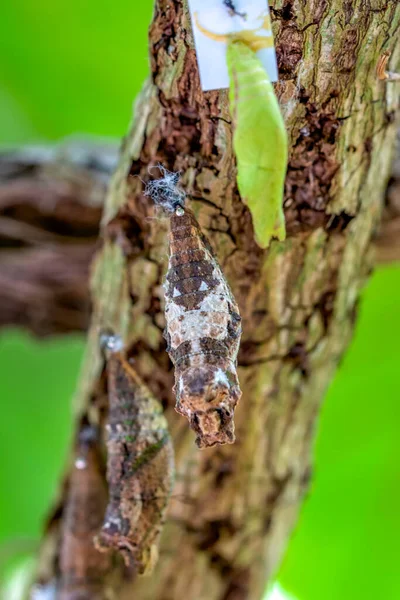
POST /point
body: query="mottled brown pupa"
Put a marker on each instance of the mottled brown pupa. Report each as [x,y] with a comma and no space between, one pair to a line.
[82,568]
[203,322]
[140,466]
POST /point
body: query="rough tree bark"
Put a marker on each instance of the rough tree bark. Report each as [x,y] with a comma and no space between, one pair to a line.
[298,300]
[44,267]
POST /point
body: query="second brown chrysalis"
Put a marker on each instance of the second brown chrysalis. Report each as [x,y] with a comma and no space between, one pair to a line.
[140,466]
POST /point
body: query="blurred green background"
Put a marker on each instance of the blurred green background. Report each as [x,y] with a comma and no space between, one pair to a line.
[76,66]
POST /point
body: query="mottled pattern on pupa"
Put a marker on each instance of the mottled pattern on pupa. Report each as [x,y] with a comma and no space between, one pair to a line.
[140,466]
[203,333]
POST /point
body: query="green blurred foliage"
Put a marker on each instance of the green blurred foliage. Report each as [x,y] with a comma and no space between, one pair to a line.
[37,384]
[346,542]
[76,66]
[68,67]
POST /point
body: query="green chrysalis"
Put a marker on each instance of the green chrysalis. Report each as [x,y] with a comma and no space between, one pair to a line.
[259,141]
[259,137]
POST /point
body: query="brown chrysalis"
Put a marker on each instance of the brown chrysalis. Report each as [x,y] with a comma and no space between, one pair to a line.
[140,466]
[203,322]
[82,568]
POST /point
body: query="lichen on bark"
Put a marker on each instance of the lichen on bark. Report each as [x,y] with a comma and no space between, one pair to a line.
[234,507]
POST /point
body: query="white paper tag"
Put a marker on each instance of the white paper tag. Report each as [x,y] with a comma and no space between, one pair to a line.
[215,17]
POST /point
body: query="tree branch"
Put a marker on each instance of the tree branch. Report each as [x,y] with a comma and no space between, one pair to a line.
[387,242]
[51,199]
[298,300]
